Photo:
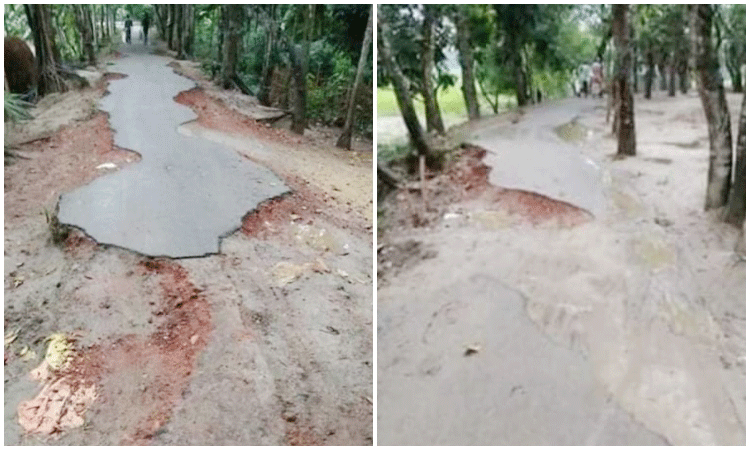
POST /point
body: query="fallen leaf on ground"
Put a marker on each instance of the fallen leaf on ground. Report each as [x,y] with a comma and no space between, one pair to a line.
[10,336]
[472,349]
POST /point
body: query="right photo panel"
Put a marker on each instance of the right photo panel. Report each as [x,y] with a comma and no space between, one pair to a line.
[561,224]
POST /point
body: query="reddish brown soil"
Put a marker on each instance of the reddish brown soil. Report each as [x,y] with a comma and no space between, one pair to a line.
[64,161]
[302,205]
[168,356]
[467,178]
[79,245]
[212,113]
[302,435]
[109,76]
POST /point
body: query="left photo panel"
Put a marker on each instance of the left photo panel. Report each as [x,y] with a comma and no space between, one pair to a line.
[188,224]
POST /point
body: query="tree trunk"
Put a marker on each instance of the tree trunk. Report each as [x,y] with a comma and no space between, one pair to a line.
[180,25]
[711,90]
[625,115]
[520,79]
[49,80]
[649,73]
[672,78]
[184,34]
[635,63]
[189,32]
[736,209]
[222,27]
[114,22]
[683,77]
[466,58]
[169,10]
[345,140]
[230,50]
[91,15]
[264,90]
[102,22]
[83,21]
[401,89]
[160,14]
[735,75]
[107,25]
[299,56]
[662,76]
[298,90]
[431,106]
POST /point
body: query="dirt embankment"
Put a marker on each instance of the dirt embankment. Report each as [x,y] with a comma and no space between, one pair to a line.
[269,342]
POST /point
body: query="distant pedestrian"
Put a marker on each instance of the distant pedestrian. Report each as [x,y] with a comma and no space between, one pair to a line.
[597,78]
[145,22]
[128,26]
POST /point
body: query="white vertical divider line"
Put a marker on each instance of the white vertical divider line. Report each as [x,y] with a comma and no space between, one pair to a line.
[374,225]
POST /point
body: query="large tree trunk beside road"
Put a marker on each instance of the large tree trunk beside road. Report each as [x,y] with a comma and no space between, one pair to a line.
[466,58]
[711,90]
[431,107]
[345,140]
[401,89]
[624,104]
[230,49]
[49,80]
[736,208]
[264,90]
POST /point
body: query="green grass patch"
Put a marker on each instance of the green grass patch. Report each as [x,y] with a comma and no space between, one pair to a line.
[451,101]
[387,105]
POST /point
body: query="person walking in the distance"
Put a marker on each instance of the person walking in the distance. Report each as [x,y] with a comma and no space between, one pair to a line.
[145,23]
[128,25]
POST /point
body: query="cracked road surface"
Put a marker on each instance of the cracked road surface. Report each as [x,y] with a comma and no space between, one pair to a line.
[529,157]
[186,193]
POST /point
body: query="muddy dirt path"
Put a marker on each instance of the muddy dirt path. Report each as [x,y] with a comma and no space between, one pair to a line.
[268,342]
[631,324]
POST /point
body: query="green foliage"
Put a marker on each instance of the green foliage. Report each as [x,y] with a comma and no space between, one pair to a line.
[494,77]
[336,37]
[329,81]
[406,25]
[136,12]
[16,23]
[16,109]
[206,36]
[733,19]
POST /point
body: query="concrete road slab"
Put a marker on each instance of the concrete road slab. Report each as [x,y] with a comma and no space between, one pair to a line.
[519,388]
[528,156]
[185,193]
